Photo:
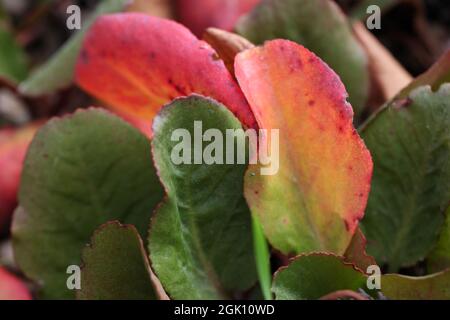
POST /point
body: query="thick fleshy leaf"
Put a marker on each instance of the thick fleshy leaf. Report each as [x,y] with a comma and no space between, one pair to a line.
[57,73]
[313,276]
[438,74]
[227,45]
[13,62]
[198,15]
[80,172]
[432,287]
[200,239]
[137,63]
[11,287]
[356,252]
[319,194]
[410,144]
[116,266]
[321,27]
[439,258]
[13,147]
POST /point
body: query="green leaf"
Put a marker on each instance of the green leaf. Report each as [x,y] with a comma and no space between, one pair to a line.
[57,73]
[200,239]
[115,266]
[438,74]
[13,61]
[432,287]
[410,144]
[80,172]
[316,275]
[439,258]
[319,26]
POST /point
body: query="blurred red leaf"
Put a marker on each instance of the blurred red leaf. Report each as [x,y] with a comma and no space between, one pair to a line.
[12,288]
[13,147]
[198,15]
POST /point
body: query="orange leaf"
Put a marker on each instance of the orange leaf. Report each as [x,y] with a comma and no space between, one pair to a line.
[320,192]
[137,63]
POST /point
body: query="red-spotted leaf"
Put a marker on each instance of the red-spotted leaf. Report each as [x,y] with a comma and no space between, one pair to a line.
[12,288]
[13,147]
[319,194]
[356,252]
[198,15]
[137,63]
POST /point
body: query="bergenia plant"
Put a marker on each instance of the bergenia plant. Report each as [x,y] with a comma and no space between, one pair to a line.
[151,199]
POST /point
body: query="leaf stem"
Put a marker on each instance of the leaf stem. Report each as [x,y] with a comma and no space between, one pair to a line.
[262,257]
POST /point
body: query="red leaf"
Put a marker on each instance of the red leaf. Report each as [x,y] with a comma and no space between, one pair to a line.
[13,147]
[198,15]
[12,288]
[137,63]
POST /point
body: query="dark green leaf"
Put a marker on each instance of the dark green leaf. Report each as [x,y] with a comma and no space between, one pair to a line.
[410,145]
[200,239]
[316,275]
[115,266]
[80,172]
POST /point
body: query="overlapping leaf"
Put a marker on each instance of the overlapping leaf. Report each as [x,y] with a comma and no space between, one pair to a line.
[410,145]
[316,275]
[115,266]
[319,26]
[315,200]
[80,172]
[200,239]
[137,63]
